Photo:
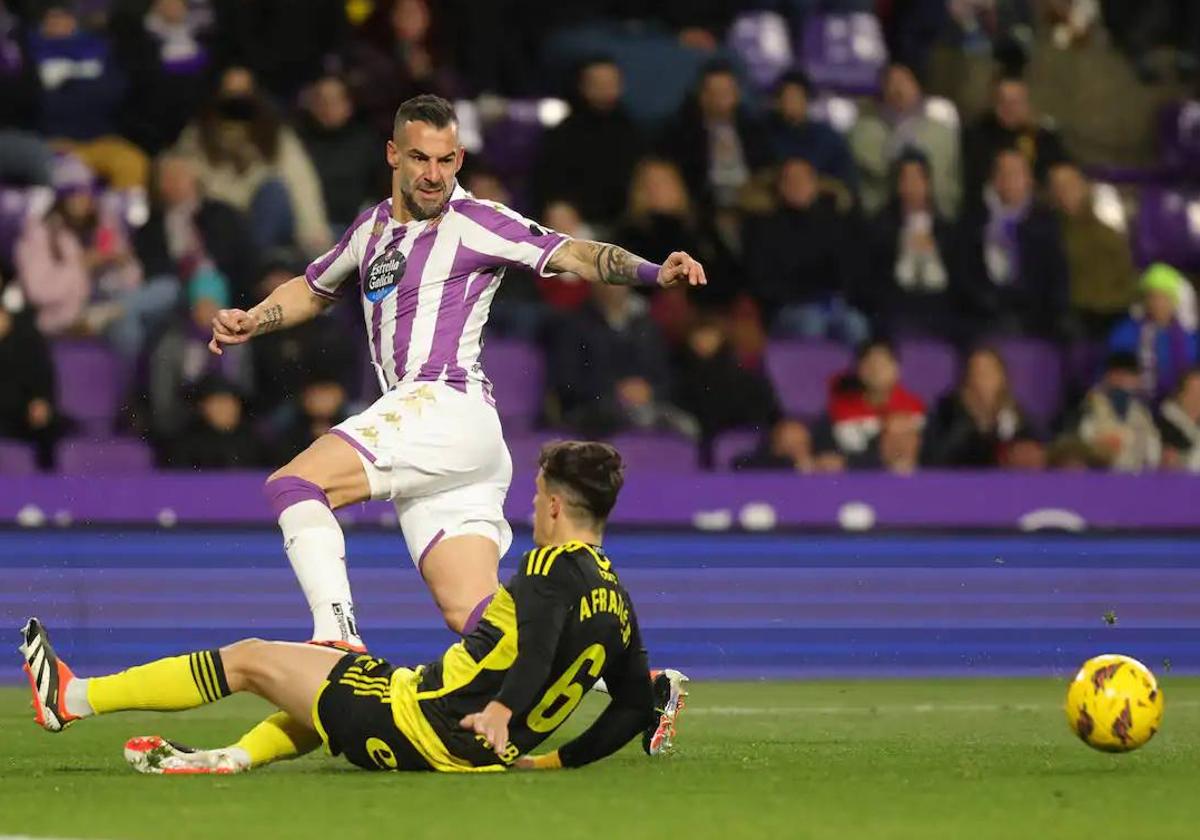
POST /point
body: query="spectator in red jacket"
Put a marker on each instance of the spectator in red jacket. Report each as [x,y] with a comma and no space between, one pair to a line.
[865,402]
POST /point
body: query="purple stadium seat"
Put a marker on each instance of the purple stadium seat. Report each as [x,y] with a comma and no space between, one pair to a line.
[844,52]
[78,456]
[731,445]
[16,458]
[88,384]
[930,368]
[1168,228]
[517,372]
[762,42]
[1083,363]
[801,372]
[1035,374]
[512,141]
[645,451]
[525,448]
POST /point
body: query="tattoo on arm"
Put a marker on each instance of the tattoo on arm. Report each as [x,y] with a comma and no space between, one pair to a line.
[270,319]
[609,264]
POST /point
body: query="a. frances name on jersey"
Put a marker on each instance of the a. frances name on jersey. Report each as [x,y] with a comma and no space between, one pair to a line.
[383,275]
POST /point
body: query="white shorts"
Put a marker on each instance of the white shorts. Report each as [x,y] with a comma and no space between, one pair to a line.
[439,455]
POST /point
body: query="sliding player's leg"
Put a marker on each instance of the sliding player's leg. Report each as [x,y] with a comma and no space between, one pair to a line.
[303,495]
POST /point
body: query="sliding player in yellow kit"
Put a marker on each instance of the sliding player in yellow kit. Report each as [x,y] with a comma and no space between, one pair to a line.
[562,622]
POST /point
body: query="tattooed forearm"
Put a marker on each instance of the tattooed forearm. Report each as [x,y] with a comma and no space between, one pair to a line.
[597,262]
[270,318]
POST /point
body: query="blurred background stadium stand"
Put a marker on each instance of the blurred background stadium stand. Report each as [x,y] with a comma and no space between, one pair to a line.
[951,248]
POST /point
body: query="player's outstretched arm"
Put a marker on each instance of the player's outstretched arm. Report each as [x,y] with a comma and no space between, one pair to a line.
[599,262]
[291,304]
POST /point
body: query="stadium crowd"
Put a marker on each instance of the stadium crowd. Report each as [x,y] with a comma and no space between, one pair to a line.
[176,157]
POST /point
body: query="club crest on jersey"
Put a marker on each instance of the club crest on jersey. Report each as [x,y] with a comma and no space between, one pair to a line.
[383,275]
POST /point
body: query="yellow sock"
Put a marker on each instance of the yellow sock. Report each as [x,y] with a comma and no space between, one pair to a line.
[166,685]
[278,737]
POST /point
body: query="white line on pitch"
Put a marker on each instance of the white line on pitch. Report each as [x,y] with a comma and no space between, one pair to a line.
[915,708]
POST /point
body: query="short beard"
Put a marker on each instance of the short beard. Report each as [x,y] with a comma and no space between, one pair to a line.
[416,211]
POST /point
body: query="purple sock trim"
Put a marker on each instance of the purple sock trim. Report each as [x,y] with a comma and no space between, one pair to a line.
[284,492]
[437,538]
[476,614]
[647,273]
[366,453]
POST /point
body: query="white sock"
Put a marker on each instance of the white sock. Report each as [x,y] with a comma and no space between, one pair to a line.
[600,685]
[316,547]
[75,698]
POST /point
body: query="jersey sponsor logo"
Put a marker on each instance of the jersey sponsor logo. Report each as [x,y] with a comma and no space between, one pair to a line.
[383,275]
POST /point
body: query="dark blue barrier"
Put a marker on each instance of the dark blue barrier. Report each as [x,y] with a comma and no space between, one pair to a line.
[719,605]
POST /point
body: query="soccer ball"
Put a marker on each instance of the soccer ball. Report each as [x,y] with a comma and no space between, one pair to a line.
[1114,703]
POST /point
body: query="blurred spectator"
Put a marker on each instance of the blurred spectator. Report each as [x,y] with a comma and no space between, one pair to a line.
[914,259]
[1025,453]
[896,126]
[396,54]
[564,292]
[863,403]
[899,445]
[18,81]
[27,403]
[320,405]
[187,228]
[1003,28]
[608,368]
[715,141]
[78,268]
[169,63]
[1098,257]
[181,358]
[789,446]
[25,158]
[715,389]
[1011,124]
[1016,265]
[1116,423]
[977,424]
[792,132]
[347,155]
[304,39]
[588,158]
[80,96]
[660,219]
[218,435]
[248,158]
[1153,334]
[284,361]
[1179,425]
[1069,453]
[798,262]
[481,181]
[1140,28]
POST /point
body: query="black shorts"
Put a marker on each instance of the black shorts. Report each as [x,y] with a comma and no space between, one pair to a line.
[354,711]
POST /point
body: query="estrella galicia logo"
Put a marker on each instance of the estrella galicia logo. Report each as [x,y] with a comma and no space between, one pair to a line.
[383,275]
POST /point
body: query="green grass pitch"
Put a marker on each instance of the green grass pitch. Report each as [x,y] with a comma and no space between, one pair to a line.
[868,759]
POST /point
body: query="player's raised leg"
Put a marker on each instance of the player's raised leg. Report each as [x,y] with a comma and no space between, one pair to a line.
[303,495]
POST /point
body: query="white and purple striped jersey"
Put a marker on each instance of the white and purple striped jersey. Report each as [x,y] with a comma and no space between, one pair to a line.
[426,286]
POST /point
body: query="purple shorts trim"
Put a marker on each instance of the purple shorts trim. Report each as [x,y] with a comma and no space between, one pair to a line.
[437,538]
[476,615]
[289,490]
[366,453]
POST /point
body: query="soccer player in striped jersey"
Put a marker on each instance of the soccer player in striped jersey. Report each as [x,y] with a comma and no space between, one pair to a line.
[424,266]
[562,622]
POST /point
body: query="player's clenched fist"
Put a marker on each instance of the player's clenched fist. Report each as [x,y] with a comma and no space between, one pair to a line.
[231,326]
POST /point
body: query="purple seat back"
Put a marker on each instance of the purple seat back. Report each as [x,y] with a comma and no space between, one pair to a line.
[844,52]
[762,42]
[1083,364]
[930,368]
[732,445]
[16,458]
[1035,375]
[1168,228]
[644,452]
[517,372]
[101,457]
[801,372]
[525,448]
[512,141]
[88,383]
